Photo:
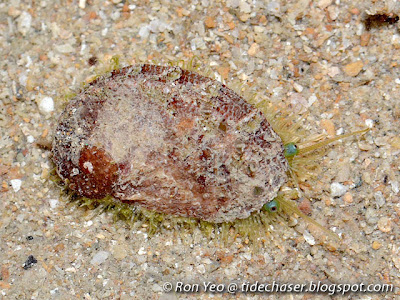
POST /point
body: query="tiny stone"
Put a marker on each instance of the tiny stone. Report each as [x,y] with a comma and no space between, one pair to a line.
[82,4]
[70,270]
[233,3]
[312,100]
[244,17]
[274,7]
[54,291]
[324,3]
[331,246]
[210,22]
[254,49]
[333,12]
[144,32]
[385,224]
[46,105]
[396,260]
[247,256]
[352,69]
[24,23]
[369,123]
[305,206]
[309,238]
[395,142]
[53,203]
[333,71]
[297,87]
[364,39]
[338,189]
[29,262]
[120,252]
[30,139]
[376,245]
[65,48]
[201,269]
[395,186]
[370,216]
[328,126]
[298,102]
[99,257]
[244,7]
[344,173]
[348,198]
[16,184]
[379,199]
[13,12]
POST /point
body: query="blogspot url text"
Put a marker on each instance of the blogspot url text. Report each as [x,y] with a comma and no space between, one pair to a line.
[275,287]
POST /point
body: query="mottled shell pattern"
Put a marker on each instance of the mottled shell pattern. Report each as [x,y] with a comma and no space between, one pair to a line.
[172,141]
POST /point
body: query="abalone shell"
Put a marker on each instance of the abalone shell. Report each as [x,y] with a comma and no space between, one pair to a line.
[169,140]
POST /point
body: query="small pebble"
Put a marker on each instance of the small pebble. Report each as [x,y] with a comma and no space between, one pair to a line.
[348,198]
[70,270]
[309,238]
[385,224]
[46,105]
[64,48]
[338,189]
[312,100]
[376,245]
[379,199]
[144,32]
[333,71]
[29,262]
[369,123]
[53,203]
[244,7]
[395,186]
[16,184]
[396,258]
[324,3]
[99,257]
[274,8]
[82,4]
[328,126]
[201,269]
[364,39]
[24,23]
[352,69]
[210,22]
[120,251]
[254,49]
[30,139]
[305,206]
[297,87]
[395,142]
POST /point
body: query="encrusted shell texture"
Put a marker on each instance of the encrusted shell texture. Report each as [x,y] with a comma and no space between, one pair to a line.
[172,141]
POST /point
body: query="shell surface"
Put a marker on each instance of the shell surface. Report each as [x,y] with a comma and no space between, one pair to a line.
[172,141]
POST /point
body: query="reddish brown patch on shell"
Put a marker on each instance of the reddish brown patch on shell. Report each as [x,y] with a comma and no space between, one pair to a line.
[169,140]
